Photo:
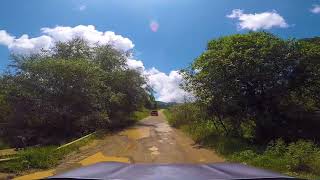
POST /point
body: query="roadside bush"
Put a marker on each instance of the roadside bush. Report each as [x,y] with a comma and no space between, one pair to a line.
[314,163]
[56,99]
[298,157]
[3,145]
[41,157]
[255,88]
[31,158]
[71,90]
[183,114]
[227,146]
[140,114]
[300,154]
[199,130]
[262,78]
[168,114]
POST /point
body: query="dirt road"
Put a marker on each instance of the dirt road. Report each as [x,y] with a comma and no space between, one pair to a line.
[151,140]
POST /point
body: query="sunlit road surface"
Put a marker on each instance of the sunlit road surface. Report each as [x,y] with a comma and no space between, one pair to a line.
[7,152]
[152,140]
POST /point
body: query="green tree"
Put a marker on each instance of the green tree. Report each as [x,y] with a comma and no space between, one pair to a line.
[258,77]
[72,89]
[56,98]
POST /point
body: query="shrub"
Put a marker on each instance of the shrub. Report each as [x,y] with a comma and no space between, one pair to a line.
[182,114]
[244,156]
[3,144]
[263,78]
[168,114]
[73,89]
[276,148]
[300,158]
[56,99]
[32,158]
[300,154]
[140,114]
[199,130]
[41,157]
[314,163]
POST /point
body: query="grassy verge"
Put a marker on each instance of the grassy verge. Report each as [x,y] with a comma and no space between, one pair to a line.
[167,113]
[139,115]
[299,159]
[49,156]
[40,157]
[3,145]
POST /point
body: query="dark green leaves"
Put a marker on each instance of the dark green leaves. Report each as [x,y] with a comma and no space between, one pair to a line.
[260,77]
[73,89]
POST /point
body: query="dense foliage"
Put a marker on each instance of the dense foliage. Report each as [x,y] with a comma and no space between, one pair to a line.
[262,80]
[42,157]
[72,89]
[300,158]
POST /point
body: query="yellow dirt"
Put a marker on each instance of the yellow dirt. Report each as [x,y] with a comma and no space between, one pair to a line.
[152,140]
[6,152]
[37,175]
[96,158]
[136,133]
[99,157]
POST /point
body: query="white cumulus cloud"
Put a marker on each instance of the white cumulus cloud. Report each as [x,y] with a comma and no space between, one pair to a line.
[25,44]
[315,9]
[135,64]
[5,38]
[65,33]
[165,85]
[265,20]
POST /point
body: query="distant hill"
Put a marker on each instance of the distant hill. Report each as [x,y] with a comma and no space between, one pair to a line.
[312,40]
[162,105]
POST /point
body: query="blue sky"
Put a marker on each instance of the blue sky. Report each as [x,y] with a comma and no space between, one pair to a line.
[185,26]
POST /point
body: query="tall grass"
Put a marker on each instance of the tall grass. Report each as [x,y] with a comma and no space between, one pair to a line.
[3,144]
[141,114]
[40,157]
[167,113]
[301,158]
[50,156]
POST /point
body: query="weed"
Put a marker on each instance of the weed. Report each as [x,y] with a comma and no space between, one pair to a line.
[139,115]
[40,157]
[3,145]
[300,159]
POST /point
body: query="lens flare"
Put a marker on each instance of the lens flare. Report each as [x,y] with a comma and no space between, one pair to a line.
[154,26]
